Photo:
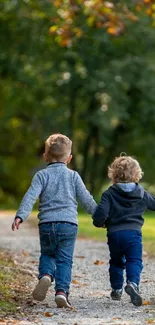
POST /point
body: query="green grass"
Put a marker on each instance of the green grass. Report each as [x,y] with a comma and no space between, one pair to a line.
[7,304]
[11,281]
[149,233]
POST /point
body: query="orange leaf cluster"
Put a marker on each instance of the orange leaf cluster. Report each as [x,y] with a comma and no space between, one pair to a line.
[111,16]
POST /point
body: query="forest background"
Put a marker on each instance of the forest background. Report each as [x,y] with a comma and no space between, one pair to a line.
[82,68]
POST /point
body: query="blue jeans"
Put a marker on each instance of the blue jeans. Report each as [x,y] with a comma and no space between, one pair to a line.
[126,253]
[57,241]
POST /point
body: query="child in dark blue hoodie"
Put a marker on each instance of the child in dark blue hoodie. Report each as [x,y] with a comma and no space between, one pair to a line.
[121,212]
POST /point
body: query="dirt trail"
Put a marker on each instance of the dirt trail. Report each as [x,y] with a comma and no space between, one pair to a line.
[90,288]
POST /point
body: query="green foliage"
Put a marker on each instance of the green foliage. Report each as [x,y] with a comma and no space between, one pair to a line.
[98,90]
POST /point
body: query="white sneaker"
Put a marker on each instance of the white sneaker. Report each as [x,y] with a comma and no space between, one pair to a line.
[40,291]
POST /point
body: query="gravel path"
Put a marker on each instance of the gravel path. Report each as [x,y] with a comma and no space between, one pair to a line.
[90,288]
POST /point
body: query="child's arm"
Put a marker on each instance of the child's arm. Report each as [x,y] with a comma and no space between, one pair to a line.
[83,196]
[150,201]
[28,200]
[102,211]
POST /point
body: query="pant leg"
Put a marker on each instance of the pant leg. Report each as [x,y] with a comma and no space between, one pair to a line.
[66,235]
[117,261]
[133,254]
[48,248]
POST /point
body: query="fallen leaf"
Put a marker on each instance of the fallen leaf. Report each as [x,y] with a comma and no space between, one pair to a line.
[79,284]
[97,262]
[75,282]
[116,318]
[80,256]
[145,303]
[25,253]
[47,314]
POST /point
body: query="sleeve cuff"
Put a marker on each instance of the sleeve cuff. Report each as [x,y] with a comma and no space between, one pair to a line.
[19,218]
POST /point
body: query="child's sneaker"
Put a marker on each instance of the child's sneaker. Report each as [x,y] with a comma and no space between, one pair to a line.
[39,293]
[61,300]
[132,290]
[116,294]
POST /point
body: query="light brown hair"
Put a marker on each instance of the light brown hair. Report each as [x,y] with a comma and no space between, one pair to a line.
[125,169]
[57,147]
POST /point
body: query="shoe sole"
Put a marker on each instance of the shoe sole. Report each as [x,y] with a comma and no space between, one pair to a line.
[61,301]
[135,297]
[39,293]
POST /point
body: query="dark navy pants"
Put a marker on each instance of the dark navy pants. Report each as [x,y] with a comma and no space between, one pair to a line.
[125,253]
[57,241]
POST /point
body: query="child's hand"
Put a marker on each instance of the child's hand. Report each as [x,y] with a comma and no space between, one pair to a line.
[16,223]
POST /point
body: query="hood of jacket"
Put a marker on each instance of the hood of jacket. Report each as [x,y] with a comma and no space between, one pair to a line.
[127,198]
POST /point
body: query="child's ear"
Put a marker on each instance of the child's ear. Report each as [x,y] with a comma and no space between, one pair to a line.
[69,159]
[45,157]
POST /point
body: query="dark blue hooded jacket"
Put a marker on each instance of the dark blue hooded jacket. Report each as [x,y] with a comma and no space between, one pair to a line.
[120,210]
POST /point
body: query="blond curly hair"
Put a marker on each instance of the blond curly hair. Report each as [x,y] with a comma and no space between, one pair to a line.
[125,169]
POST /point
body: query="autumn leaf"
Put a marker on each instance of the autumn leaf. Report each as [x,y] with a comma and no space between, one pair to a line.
[145,303]
[97,262]
[79,284]
[75,282]
[150,321]
[25,253]
[47,314]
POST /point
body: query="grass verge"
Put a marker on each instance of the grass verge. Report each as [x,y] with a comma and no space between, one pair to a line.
[12,286]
